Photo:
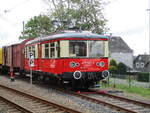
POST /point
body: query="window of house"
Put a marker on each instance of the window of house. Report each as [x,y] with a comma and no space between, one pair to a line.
[142,65]
[137,65]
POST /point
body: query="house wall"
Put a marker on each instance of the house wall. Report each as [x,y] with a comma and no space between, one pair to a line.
[126,58]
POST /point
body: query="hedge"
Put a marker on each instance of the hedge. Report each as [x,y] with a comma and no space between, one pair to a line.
[143,77]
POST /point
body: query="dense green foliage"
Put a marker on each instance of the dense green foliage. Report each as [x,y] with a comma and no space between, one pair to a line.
[143,77]
[122,68]
[37,26]
[119,68]
[83,14]
[113,67]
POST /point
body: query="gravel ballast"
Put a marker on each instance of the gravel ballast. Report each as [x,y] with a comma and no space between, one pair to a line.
[56,96]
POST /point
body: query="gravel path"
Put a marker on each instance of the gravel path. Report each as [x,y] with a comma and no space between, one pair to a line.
[57,97]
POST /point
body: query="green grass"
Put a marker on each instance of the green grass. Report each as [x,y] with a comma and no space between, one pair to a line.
[144,92]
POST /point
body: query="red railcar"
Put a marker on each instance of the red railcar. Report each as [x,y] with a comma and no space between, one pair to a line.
[78,59]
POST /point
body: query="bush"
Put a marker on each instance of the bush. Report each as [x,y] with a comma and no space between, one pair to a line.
[122,68]
[113,66]
[143,77]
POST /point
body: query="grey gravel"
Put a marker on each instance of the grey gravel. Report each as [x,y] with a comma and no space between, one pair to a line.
[57,97]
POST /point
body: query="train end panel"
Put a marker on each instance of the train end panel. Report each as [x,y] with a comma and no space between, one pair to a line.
[1,58]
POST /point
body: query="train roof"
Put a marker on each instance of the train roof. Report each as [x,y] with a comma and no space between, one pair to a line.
[86,35]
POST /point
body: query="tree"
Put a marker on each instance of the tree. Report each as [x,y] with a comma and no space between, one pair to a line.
[113,67]
[84,14]
[37,26]
[122,68]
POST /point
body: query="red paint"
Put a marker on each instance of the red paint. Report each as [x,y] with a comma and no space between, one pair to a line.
[59,66]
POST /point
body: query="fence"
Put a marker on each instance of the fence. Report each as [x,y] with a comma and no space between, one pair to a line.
[131,80]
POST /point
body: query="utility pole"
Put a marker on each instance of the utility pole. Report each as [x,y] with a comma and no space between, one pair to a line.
[149,39]
[23,28]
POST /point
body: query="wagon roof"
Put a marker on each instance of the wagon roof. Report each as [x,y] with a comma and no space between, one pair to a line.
[86,35]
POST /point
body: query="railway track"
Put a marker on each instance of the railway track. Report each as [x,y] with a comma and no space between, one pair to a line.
[137,102]
[27,103]
[10,107]
[122,103]
[115,102]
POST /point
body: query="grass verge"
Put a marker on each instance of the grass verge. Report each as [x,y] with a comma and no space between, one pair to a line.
[144,92]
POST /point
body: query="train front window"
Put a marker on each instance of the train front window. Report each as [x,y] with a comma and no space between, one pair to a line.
[96,48]
[88,48]
[77,48]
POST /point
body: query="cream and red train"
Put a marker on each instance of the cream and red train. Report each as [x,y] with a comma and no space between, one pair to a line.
[76,59]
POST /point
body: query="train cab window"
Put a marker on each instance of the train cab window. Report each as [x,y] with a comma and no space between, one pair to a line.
[96,48]
[77,48]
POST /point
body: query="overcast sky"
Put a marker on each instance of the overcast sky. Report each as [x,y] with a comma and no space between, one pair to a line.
[126,18]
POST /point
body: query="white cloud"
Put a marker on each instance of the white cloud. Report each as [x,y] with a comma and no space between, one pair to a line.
[129,19]
[126,18]
[13,13]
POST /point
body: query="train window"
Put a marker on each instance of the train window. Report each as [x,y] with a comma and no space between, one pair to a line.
[25,50]
[43,50]
[58,49]
[47,50]
[77,48]
[29,48]
[52,44]
[96,48]
[33,50]
[36,51]
[52,49]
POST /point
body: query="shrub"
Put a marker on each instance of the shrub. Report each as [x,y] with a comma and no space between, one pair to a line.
[122,68]
[143,77]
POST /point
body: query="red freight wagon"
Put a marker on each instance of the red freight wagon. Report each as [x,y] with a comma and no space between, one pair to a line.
[7,56]
[13,56]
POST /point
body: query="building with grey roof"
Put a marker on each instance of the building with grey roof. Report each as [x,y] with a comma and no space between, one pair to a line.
[120,51]
[142,63]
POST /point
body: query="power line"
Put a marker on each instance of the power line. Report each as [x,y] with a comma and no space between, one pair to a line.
[9,10]
[15,6]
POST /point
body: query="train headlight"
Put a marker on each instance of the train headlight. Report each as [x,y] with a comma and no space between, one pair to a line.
[100,64]
[105,74]
[77,74]
[73,64]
